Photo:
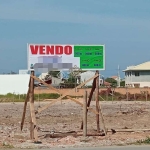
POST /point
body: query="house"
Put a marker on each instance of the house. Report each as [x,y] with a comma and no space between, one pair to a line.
[85,76]
[115,78]
[138,76]
[89,74]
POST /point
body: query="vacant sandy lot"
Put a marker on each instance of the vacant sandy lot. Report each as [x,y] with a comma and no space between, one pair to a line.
[66,116]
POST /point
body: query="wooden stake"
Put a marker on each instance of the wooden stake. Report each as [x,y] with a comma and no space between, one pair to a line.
[33,129]
[146,95]
[97,101]
[24,110]
[25,106]
[85,115]
[107,95]
[127,93]
[102,119]
[88,108]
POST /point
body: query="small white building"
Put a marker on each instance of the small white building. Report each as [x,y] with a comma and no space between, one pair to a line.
[138,76]
[87,75]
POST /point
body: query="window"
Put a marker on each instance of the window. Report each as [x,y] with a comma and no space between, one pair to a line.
[137,74]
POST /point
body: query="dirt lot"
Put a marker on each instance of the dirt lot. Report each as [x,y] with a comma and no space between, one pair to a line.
[66,116]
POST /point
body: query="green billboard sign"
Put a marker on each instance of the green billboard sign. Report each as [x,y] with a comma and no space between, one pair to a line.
[91,56]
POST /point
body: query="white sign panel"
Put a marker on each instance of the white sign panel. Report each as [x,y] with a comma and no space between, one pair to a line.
[64,57]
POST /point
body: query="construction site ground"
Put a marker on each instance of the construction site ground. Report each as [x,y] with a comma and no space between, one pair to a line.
[65,117]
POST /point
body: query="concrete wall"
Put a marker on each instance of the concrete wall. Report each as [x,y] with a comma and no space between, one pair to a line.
[14,83]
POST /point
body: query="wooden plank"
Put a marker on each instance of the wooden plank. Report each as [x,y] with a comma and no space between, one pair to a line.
[102,98]
[58,91]
[85,115]
[63,95]
[25,106]
[88,108]
[33,129]
[50,104]
[73,99]
[97,102]
[130,130]
[48,85]
[24,110]
[102,118]
[33,122]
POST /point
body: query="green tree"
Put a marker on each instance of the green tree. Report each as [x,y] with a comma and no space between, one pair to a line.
[71,82]
[112,81]
[122,83]
[53,73]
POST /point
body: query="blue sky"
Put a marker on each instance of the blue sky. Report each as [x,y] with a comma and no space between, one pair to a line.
[122,25]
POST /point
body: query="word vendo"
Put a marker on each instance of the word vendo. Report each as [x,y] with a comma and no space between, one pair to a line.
[50,49]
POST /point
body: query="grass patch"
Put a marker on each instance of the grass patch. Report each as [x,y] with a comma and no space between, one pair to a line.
[7,145]
[21,98]
[145,141]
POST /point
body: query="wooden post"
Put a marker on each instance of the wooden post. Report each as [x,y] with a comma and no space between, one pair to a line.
[93,97]
[33,129]
[102,119]
[90,97]
[134,96]
[112,95]
[85,115]
[24,110]
[97,102]
[127,93]
[107,95]
[25,106]
[146,95]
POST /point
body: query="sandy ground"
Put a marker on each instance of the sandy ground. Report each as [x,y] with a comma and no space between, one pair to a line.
[66,116]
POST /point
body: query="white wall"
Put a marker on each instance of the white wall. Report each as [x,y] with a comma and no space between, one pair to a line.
[142,84]
[14,83]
